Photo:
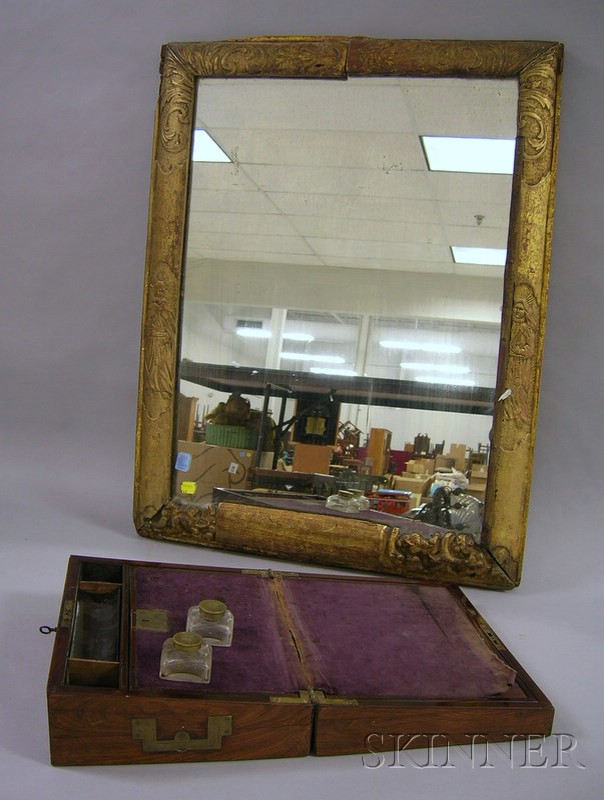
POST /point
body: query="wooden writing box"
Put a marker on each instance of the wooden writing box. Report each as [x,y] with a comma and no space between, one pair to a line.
[319,664]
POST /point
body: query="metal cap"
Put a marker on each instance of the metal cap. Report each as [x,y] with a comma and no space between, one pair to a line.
[187,641]
[212,609]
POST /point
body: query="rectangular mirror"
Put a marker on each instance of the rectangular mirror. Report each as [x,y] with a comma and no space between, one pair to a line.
[332,303]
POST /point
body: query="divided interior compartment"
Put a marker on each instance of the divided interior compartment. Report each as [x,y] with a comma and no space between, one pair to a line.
[95,650]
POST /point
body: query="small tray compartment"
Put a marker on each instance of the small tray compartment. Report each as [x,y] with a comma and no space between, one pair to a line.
[93,657]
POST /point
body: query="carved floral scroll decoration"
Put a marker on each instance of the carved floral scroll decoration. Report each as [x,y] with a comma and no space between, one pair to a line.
[537,65]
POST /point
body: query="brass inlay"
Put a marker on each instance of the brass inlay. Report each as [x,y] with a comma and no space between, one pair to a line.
[146,730]
[489,633]
[151,619]
[67,613]
[262,573]
[302,697]
[98,587]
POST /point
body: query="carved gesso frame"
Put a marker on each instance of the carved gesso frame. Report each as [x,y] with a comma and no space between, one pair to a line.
[446,555]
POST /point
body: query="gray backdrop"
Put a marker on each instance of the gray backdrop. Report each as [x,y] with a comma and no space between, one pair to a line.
[77,93]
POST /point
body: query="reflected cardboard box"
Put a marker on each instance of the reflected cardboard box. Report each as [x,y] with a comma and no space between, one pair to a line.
[458,452]
[421,466]
[201,467]
[479,474]
[410,483]
[478,481]
[477,490]
[312,458]
[444,461]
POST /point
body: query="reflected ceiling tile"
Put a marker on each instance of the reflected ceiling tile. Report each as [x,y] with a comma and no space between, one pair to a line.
[357,104]
[203,255]
[451,186]
[252,245]
[370,230]
[309,148]
[233,202]
[205,176]
[449,107]
[477,270]
[376,183]
[358,207]
[242,224]
[376,250]
[393,265]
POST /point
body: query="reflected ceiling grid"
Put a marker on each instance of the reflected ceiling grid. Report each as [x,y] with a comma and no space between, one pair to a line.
[292,184]
[294,151]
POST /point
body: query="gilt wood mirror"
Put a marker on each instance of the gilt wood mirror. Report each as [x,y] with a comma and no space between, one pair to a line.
[320,271]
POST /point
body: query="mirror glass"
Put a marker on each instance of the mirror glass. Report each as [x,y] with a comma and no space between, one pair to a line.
[343,281]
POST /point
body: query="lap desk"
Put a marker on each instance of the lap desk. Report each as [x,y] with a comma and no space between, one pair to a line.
[319,664]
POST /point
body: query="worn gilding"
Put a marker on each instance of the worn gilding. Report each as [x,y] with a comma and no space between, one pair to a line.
[497,561]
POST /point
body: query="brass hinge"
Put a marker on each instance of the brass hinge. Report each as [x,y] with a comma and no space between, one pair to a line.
[301,697]
[320,697]
[269,573]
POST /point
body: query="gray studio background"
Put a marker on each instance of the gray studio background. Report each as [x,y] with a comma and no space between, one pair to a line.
[78,86]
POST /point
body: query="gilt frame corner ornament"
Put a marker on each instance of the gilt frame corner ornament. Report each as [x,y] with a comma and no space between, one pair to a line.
[448,556]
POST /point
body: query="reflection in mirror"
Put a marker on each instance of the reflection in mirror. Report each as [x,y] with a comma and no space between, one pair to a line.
[343,285]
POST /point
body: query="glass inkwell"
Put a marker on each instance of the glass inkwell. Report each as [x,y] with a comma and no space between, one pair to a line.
[212,620]
[348,500]
[186,657]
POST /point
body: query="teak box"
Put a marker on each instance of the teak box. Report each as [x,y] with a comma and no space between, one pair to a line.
[319,664]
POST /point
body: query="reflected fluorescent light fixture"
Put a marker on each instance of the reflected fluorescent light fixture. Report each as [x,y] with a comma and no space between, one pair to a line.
[450,369]
[299,337]
[423,347]
[320,359]
[495,256]
[445,380]
[329,371]
[261,333]
[253,333]
[206,149]
[469,154]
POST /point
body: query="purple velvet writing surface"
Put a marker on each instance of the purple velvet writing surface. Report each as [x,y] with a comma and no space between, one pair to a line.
[383,639]
[362,638]
[262,657]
